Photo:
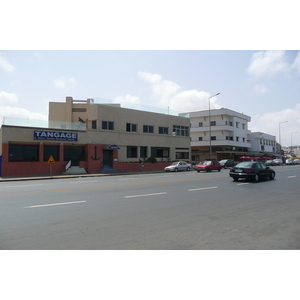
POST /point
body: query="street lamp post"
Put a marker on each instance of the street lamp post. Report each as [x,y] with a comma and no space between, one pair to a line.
[292,139]
[210,152]
[280,135]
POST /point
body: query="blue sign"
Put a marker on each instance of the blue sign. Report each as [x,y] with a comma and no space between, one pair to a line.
[114,147]
[55,136]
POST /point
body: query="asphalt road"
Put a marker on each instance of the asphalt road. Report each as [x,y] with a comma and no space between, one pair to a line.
[184,210]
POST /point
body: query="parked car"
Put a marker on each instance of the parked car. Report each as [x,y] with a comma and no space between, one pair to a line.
[270,162]
[208,166]
[227,163]
[297,161]
[289,161]
[178,166]
[252,171]
[278,161]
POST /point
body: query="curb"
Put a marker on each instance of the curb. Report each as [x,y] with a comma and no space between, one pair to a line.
[25,178]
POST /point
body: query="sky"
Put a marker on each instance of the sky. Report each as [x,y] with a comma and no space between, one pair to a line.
[163,54]
[264,85]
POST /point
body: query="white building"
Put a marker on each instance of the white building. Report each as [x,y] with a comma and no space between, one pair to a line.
[263,142]
[227,134]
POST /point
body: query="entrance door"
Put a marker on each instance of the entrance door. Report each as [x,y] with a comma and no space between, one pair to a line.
[74,154]
[107,158]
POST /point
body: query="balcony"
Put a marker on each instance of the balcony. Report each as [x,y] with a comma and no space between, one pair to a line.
[219,143]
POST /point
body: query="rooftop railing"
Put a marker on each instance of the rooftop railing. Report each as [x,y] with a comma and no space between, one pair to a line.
[138,106]
[24,122]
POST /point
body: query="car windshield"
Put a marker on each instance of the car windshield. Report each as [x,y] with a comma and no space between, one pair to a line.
[223,161]
[206,163]
[245,164]
[174,163]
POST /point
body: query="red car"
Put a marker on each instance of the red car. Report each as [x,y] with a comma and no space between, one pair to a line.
[208,166]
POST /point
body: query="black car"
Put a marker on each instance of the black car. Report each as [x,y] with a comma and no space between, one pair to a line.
[227,163]
[251,170]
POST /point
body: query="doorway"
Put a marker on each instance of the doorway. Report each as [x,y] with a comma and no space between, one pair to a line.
[74,154]
[107,158]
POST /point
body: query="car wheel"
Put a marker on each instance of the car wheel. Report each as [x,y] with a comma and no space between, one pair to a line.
[187,168]
[198,171]
[235,179]
[256,178]
[272,175]
[175,170]
[219,170]
[208,170]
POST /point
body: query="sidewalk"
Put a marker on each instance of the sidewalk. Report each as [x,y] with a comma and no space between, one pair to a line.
[42,177]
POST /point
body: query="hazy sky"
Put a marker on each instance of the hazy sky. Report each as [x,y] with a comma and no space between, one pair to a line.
[125,64]
[262,84]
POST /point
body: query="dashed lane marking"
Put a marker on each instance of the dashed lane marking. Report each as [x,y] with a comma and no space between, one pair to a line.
[206,188]
[145,195]
[53,204]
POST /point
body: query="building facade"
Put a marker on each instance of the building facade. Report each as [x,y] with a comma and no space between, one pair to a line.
[263,142]
[227,134]
[93,137]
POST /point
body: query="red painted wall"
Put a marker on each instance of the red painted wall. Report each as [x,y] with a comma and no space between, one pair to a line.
[92,164]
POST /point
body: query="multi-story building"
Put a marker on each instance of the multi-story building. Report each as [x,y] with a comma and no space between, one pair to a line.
[263,142]
[93,136]
[227,134]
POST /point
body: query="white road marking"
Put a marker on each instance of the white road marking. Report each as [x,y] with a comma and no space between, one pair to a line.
[292,176]
[207,188]
[128,178]
[23,185]
[64,203]
[88,181]
[145,195]
[243,183]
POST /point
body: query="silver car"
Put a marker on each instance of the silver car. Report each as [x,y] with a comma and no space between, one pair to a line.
[178,166]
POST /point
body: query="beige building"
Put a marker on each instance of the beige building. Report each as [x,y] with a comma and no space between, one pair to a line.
[138,134]
[92,137]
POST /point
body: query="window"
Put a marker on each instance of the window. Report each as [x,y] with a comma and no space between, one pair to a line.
[200,124]
[213,123]
[163,130]
[131,127]
[182,155]
[51,150]
[213,138]
[107,125]
[244,126]
[148,128]
[161,152]
[23,153]
[244,140]
[132,151]
[237,138]
[200,138]
[180,130]
[237,124]
[94,124]
[143,152]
